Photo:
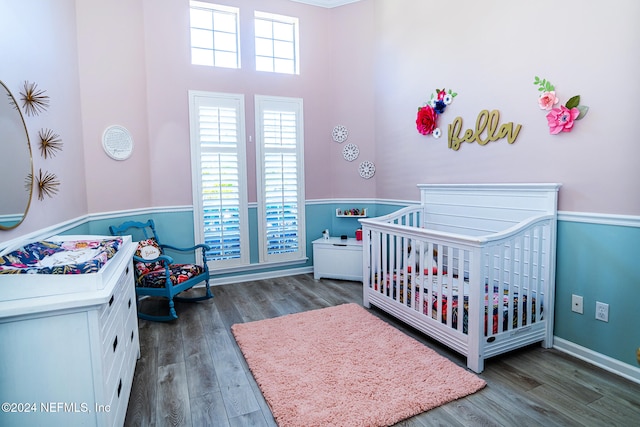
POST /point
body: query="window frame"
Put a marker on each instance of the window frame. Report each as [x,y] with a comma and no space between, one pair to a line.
[219,100]
[215,8]
[262,104]
[283,19]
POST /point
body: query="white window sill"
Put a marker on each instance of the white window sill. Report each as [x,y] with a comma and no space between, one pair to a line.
[259,266]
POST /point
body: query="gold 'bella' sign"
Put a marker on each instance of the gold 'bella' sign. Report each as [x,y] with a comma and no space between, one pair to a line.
[486,121]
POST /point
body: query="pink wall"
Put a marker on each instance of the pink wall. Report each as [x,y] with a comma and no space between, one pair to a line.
[170,76]
[39,44]
[489,52]
[366,65]
[113,89]
[351,31]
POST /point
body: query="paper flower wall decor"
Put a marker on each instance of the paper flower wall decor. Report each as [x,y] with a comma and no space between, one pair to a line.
[563,117]
[427,120]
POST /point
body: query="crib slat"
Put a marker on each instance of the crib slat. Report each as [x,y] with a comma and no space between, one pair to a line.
[531,284]
[462,256]
[535,314]
[450,292]
[402,247]
[427,274]
[495,292]
[510,284]
[515,285]
[488,291]
[521,272]
[380,277]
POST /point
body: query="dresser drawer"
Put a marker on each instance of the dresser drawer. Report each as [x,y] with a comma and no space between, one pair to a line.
[131,328]
[114,346]
[116,390]
[107,312]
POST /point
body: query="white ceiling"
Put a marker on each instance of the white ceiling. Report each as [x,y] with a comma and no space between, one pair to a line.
[326,3]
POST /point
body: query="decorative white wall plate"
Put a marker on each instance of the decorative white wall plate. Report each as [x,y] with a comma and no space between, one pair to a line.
[117,142]
[340,134]
[367,169]
[350,152]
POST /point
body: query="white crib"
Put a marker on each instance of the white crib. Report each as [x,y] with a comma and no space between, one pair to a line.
[472,266]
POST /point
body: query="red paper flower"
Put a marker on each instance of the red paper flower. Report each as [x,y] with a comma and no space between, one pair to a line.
[561,119]
[426,121]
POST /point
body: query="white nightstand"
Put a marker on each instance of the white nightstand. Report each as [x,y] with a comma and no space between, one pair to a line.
[337,259]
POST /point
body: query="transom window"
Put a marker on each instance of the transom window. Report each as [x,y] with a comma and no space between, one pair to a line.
[215,33]
[276,43]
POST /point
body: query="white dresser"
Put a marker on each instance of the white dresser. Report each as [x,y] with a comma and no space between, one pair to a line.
[69,346]
[337,258]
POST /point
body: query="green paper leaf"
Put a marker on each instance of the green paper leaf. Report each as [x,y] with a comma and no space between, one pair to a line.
[544,85]
[583,111]
[573,102]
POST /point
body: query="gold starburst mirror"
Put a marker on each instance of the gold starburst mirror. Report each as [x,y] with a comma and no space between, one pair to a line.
[16,165]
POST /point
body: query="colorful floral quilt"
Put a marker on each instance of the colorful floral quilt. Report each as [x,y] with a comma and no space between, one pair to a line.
[60,257]
[499,304]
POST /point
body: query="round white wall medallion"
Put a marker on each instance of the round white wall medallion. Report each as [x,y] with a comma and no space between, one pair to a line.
[117,142]
[340,133]
[350,152]
[367,169]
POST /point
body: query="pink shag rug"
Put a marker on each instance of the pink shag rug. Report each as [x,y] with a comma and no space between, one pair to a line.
[342,366]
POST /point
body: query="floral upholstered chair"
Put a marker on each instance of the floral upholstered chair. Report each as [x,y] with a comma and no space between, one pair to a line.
[156,273]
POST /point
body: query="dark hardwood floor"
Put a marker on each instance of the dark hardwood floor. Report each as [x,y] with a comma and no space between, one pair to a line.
[192,373]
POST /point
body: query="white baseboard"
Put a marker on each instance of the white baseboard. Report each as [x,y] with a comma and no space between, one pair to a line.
[217,281]
[600,360]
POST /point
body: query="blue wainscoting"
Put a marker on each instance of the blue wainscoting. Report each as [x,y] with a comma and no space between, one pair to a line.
[597,258]
[600,262]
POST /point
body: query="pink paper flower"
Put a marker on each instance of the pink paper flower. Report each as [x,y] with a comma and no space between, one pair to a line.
[561,119]
[426,120]
[547,100]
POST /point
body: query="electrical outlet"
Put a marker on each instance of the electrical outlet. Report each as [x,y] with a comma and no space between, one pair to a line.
[602,311]
[576,304]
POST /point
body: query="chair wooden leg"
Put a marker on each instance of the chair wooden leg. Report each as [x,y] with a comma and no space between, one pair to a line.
[151,318]
[172,309]
[172,314]
[206,296]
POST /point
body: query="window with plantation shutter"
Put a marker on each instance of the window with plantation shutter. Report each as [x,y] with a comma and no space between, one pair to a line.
[219,176]
[280,175]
